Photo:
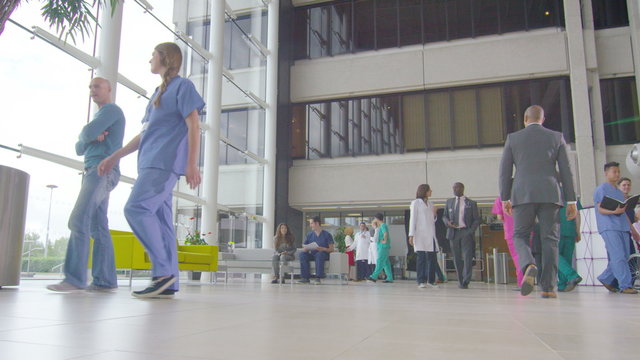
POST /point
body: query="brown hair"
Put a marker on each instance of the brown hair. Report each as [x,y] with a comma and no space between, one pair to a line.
[287,238]
[422,191]
[623,179]
[171,58]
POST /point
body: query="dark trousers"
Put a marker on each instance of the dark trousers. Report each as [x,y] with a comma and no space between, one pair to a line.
[362,269]
[463,247]
[524,217]
[306,257]
[426,263]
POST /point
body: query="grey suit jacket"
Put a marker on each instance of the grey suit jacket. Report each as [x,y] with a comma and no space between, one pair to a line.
[534,152]
[471,215]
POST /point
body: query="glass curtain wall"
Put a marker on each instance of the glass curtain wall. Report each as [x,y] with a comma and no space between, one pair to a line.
[350,26]
[242,122]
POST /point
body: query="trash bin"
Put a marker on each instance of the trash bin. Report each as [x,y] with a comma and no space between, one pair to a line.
[14,188]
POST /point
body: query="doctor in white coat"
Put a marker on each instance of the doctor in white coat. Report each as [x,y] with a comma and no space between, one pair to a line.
[422,236]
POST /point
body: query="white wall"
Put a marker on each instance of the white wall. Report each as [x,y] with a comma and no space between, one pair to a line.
[487,59]
[393,179]
[613,49]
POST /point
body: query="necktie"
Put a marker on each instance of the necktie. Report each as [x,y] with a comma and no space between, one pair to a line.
[456,211]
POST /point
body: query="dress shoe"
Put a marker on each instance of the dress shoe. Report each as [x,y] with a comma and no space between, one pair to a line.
[572,284]
[549,295]
[629,291]
[610,287]
[529,280]
[463,286]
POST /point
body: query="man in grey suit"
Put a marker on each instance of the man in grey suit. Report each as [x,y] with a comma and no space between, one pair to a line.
[462,219]
[536,191]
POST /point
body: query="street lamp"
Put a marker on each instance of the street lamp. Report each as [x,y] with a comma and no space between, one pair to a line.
[46,242]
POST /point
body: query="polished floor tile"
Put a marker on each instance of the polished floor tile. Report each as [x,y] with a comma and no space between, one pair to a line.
[253,319]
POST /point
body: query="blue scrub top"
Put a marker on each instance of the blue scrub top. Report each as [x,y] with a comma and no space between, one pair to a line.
[163,141]
[324,239]
[610,222]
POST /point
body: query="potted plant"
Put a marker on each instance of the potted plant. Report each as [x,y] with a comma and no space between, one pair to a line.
[338,239]
[195,238]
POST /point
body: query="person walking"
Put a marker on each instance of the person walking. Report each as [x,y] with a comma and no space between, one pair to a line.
[535,193]
[462,219]
[168,147]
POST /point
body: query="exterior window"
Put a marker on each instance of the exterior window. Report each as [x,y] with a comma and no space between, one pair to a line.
[435,20]
[464,117]
[410,21]
[386,24]
[610,13]
[346,26]
[364,36]
[620,111]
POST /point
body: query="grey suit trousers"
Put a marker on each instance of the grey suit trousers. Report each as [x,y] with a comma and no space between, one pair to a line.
[463,247]
[524,217]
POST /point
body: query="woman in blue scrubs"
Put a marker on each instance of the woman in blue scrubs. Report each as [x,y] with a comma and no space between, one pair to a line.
[168,147]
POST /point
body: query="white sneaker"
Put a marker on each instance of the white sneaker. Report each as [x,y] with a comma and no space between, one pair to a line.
[422,285]
[434,286]
[63,287]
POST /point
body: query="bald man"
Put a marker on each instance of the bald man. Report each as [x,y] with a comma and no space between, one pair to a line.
[98,139]
[537,191]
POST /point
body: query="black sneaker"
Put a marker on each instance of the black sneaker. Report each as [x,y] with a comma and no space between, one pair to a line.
[156,287]
[166,294]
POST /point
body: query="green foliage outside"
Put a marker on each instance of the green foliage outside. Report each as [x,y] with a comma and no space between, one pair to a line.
[41,264]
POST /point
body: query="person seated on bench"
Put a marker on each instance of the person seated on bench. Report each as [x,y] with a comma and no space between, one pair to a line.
[319,254]
[285,250]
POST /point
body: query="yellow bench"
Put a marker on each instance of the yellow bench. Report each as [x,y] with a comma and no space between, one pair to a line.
[130,254]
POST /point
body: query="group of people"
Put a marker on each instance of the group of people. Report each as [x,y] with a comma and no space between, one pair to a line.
[168,147]
[539,194]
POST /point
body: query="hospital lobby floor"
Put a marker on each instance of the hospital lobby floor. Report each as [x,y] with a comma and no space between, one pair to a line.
[253,319]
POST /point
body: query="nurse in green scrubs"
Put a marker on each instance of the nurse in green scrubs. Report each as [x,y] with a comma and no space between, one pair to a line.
[384,243]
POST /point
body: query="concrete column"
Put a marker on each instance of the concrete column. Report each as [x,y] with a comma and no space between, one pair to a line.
[633,8]
[593,77]
[214,106]
[271,120]
[586,172]
[109,46]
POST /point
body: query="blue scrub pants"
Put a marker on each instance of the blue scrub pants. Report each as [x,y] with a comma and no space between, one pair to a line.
[149,213]
[319,257]
[89,219]
[617,246]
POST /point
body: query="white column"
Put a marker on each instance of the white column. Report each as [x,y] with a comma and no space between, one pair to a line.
[269,183]
[593,77]
[109,46]
[212,136]
[633,8]
[586,174]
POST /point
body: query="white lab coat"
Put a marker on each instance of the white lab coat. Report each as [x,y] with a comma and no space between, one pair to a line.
[361,245]
[422,226]
[373,248]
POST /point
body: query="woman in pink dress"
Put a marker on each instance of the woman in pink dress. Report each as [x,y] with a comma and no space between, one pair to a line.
[507,222]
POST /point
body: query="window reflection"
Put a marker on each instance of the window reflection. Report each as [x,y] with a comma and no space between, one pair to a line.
[620,111]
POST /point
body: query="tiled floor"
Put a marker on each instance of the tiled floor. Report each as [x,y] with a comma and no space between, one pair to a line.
[249,319]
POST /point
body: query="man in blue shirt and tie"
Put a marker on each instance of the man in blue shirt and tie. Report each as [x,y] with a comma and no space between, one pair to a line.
[99,138]
[320,254]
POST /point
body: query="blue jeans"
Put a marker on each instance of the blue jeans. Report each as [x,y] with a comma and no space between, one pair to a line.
[319,257]
[89,219]
[617,246]
[149,213]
